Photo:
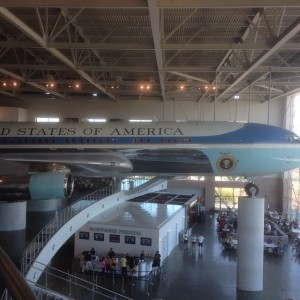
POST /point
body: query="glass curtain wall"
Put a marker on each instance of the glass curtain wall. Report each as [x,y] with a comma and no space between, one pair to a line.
[228,196]
[291,197]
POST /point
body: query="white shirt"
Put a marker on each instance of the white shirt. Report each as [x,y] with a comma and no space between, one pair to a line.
[200,239]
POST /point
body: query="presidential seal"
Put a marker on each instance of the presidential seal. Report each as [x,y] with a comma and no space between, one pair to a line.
[226,163]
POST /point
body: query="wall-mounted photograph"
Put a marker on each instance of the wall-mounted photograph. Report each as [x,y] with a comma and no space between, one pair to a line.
[146,241]
[114,238]
[84,235]
[129,239]
[98,236]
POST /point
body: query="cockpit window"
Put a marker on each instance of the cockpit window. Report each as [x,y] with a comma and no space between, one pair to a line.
[293,138]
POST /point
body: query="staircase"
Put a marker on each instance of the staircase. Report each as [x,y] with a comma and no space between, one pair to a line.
[49,240]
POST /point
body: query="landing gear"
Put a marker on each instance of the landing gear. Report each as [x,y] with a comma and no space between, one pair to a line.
[251,189]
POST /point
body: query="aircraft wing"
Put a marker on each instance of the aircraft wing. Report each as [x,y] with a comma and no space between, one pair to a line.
[105,163]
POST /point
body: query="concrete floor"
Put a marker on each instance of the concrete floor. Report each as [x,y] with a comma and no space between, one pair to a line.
[210,274]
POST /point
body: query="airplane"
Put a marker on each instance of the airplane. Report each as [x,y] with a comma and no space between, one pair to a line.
[49,155]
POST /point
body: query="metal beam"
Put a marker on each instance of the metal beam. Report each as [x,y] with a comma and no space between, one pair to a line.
[8,94]
[34,84]
[155,21]
[152,69]
[270,88]
[189,76]
[149,47]
[265,56]
[143,3]
[292,92]
[5,13]
[253,83]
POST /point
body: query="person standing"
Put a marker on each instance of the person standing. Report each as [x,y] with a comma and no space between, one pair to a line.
[92,251]
[88,261]
[200,241]
[103,266]
[185,240]
[142,256]
[111,253]
[194,241]
[82,261]
[156,260]
[123,263]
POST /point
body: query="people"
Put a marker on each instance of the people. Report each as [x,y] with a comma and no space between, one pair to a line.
[88,261]
[112,266]
[92,251]
[103,265]
[268,228]
[185,240]
[279,248]
[82,261]
[200,241]
[111,253]
[123,263]
[194,241]
[156,260]
[142,256]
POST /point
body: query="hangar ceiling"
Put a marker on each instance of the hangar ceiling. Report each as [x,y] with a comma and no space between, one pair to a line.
[156,50]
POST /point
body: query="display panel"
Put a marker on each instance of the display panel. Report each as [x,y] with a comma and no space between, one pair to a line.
[84,235]
[146,241]
[114,238]
[129,239]
[98,236]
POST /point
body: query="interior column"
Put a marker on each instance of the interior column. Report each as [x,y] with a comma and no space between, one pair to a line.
[250,244]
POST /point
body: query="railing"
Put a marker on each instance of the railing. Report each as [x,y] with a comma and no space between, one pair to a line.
[62,285]
[54,282]
[61,218]
[14,281]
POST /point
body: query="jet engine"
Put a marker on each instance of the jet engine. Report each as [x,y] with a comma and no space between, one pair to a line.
[37,186]
[51,185]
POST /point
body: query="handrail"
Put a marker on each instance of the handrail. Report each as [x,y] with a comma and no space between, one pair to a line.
[13,279]
[70,284]
[60,219]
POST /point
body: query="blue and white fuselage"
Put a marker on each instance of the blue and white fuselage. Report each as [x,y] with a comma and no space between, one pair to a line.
[185,148]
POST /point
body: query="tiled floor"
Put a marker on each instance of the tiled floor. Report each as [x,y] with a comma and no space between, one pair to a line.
[211,275]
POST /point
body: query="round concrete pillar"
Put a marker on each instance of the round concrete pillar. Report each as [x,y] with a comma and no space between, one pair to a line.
[12,215]
[250,244]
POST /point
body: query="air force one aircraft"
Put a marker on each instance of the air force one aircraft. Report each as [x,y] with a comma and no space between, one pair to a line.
[113,149]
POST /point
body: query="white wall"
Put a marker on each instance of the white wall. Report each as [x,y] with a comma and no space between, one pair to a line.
[169,233]
[268,112]
[102,247]
[164,239]
[10,114]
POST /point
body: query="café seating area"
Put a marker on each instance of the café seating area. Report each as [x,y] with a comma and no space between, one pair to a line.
[275,239]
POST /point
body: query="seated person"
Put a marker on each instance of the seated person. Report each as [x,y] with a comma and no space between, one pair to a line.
[279,248]
[268,228]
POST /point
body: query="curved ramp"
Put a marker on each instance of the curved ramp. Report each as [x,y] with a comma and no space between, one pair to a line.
[49,240]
